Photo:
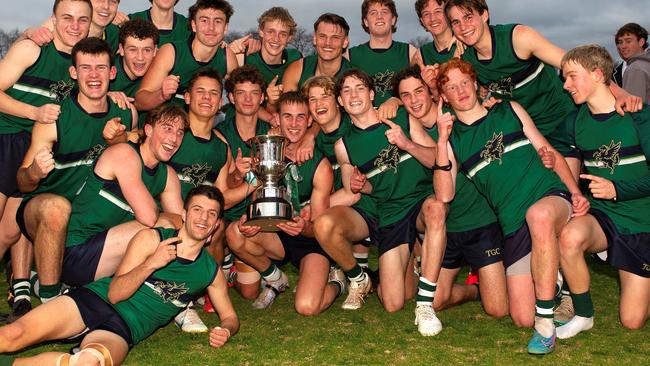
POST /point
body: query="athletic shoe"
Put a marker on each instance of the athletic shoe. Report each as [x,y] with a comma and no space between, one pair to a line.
[574,326]
[427,321]
[357,292]
[272,289]
[19,308]
[565,311]
[472,278]
[207,304]
[539,345]
[189,322]
[337,276]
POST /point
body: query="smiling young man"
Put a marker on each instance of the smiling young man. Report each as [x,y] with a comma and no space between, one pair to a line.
[633,74]
[517,63]
[311,184]
[615,151]
[532,205]
[330,40]
[175,63]
[472,233]
[56,163]
[163,269]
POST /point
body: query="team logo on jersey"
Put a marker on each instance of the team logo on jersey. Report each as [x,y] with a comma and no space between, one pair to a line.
[170,291]
[196,173]
[609,155]
[94,153]
[61,89]
[494,148]
[503,87]
[383,82]
[388,158]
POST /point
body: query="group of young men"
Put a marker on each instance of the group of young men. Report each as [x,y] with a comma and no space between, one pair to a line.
[468,150]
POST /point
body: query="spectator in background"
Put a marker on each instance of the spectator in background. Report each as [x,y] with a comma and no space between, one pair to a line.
[633,74]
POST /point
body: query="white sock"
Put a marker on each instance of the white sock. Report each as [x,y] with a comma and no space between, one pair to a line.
[544,326]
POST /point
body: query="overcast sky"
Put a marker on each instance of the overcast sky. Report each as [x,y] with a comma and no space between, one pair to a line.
[565,22]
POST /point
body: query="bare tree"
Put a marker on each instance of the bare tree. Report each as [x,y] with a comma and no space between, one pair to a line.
[302,41]
[233,35]
[7,38]
[420,41]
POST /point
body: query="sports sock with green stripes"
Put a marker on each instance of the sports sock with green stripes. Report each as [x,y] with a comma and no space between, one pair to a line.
[228,261]
[21,289]
[583,305]
[426,292]
[48,292]
[355,274]
[362,259]
[272,273]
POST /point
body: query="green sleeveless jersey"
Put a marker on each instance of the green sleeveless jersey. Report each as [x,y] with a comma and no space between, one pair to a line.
[431,56]
[100,204]
[198,161]
[46,81]
[533,84]
[123,83]
[398,180]
[469,210]
[504,166]
[617,148]
[381,65]
[289,55]
[303,175]
[228,129]
[112,36]
[309,65]
[185,65]
[79,142]
[180,30]
[165,293]
[325,143]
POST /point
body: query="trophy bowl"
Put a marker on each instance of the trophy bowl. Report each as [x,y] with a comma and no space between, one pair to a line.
[270,205]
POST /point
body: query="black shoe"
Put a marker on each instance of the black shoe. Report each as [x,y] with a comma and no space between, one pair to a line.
[19,308]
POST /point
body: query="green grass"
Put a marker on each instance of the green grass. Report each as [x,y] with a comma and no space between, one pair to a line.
[370,336]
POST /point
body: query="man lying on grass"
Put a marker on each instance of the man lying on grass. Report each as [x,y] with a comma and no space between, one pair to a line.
[163,269]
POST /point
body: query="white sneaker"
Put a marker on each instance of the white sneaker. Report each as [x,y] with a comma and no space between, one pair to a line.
[190,322]
[427,321]
[336,275]
[272,289]
[574,326]
[357,292]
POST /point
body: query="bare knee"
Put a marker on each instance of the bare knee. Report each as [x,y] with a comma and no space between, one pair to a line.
[538,218]
[633,321]
[54,212]
[10,336]
[496,310]
[88,359]
[435,213]
[522,320]
[392,305]
[307,307]
[571,241]
[324,227]
[234,238]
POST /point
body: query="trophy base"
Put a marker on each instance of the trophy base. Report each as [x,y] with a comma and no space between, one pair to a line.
[267,213]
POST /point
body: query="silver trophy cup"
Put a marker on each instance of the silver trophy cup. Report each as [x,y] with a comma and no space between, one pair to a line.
[270,205]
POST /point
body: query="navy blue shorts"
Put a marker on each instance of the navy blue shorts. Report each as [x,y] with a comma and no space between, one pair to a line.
[13,148]
[298,247]
[20,218]
[477,247]
[373,227]
[402,232]
[630,253]
[80,261]
[518,244]
[99,315]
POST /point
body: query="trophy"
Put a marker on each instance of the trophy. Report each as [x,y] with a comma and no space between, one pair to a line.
[271,203]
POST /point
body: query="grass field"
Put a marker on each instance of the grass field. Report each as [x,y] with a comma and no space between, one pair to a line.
[370,336]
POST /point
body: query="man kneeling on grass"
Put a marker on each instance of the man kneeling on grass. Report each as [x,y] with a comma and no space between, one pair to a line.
[163,269]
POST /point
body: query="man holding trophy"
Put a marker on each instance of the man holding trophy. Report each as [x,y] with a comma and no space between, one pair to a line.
[264,240]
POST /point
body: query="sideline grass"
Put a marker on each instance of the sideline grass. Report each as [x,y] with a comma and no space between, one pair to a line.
[370,336]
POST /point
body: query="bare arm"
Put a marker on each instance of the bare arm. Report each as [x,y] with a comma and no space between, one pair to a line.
[528,42]
[323,182]
[38,161]
[144,255]
[350,173]
[152,92]
[424,150]
[170,199]
[229,325]
[444,181]
[291,76]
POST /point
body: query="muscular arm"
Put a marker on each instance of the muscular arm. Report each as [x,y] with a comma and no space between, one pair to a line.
[135,267]
[20,57]
[122,162]
[218,294]
[528,42]
[170,198]
[323,181]
[44,136]
[291,76]
[347,169]
[425,150]
[150,95]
